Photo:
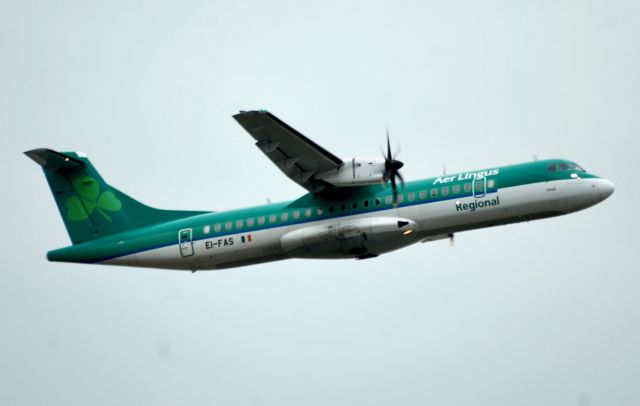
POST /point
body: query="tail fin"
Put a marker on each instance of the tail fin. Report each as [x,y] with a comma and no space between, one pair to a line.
[90,208]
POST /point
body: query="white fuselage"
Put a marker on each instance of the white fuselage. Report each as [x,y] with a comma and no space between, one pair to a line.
[339,237]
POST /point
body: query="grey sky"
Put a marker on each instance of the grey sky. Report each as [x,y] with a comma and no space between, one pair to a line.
[540,313]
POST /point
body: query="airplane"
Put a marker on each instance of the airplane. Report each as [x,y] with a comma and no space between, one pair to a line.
[355,209]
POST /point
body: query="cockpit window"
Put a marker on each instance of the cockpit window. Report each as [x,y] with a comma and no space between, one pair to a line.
[566,166]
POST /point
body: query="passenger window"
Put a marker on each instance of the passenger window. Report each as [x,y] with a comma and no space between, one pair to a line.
[307,212]
[296,215]
[206,229]
[228,225]
[456,189]
[354,205]
[377,201]
[250,222]
[284,216]
[365,203]
[239,224]
[388,199]
[491,183]
[434,192]
[400,198]
[412,196]
[423,194]
[260,220]
[331,209]
[342,207]
[445,190]
[479,185]
[217,228]
[320,211]
[467,187]
[272,218]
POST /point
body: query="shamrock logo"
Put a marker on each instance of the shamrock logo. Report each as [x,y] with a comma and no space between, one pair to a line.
[88,198]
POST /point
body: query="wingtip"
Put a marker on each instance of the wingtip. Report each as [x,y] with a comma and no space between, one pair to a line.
[241,113]
[248,114]
[258,111]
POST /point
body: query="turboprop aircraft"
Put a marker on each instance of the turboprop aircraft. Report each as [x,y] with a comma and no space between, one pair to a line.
[358,209]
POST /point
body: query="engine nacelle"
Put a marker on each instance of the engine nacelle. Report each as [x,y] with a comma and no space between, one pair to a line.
[358,171]
[361,238]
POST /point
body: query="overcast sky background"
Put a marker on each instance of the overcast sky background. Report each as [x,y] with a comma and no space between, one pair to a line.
[540,313]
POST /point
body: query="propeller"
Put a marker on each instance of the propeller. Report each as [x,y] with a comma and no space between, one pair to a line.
[392,170]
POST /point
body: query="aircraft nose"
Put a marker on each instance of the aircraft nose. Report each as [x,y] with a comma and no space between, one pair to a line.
[606,188]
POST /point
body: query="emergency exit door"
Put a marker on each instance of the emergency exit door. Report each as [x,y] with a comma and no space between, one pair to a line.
[479,187]
[185,241]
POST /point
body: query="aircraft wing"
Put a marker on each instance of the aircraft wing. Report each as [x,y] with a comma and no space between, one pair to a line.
[296,155]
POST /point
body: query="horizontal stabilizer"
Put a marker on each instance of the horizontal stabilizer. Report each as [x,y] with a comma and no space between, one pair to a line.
[50,159]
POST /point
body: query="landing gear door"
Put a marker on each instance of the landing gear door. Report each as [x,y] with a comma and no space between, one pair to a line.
[479,187]
[185,241]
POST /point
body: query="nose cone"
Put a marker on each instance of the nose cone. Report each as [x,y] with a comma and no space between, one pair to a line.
[582,193]
[605,188]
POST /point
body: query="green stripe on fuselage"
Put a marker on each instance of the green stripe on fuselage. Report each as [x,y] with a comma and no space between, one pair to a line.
[166,234]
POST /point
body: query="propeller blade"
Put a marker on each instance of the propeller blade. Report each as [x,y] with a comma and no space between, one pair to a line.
[389,156]
[394,188]
[399,175]
[397,151]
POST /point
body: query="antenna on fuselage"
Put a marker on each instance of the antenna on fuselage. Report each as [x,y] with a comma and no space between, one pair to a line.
[444,169]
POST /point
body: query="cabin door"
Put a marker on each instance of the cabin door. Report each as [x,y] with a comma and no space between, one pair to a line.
[479,187]
[185,241]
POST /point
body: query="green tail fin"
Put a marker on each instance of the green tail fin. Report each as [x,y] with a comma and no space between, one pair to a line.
[90,208]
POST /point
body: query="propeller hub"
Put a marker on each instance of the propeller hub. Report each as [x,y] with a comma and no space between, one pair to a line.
[393,165]
[396,165]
